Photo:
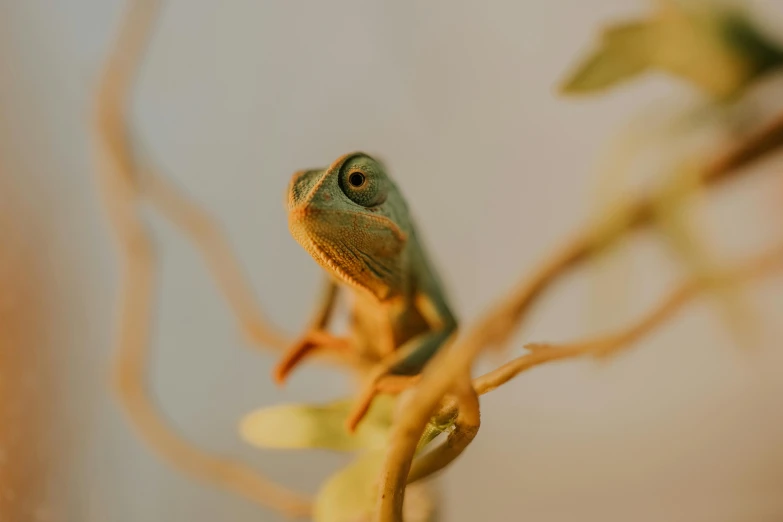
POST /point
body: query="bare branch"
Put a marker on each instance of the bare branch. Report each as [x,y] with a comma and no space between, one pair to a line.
[610,344]
[540,353]
[499,323]
[407,431]
[208,237]
[466,428]
[116,170]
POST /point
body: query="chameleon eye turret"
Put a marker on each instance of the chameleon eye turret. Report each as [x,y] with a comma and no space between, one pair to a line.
[363,181]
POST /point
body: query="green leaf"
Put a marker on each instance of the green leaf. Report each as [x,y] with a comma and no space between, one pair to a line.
[624,53]
[350,494]
[714,48]
[679,228]
[298,426]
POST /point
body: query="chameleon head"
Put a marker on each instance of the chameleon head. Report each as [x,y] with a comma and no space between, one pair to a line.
[352,219]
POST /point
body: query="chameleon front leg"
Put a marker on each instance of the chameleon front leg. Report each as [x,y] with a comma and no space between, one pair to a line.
[315,337]
[400,369]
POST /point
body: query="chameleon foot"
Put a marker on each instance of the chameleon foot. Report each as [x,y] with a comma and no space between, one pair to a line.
[311,341]
[391,384]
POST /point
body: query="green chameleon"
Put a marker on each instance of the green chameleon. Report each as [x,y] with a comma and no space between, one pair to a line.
[354,221]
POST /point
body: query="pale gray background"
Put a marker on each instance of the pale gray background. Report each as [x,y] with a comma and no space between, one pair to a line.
[458,98]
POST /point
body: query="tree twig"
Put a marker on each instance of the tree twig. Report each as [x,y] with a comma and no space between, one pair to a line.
[499,323]
[466,427]
[405,437]
[119,189]
[424,400]
[209,238]
[607,345]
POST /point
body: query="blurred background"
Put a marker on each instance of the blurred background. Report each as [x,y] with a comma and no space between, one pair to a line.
[459,99]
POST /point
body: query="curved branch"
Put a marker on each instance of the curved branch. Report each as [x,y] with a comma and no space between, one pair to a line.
[499,322]
[542,353]
[466,427]
[407,432]
[208,237]
[120,193]
[130,384]
[455,360]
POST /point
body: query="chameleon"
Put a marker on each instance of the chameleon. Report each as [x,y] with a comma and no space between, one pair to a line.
[355,223]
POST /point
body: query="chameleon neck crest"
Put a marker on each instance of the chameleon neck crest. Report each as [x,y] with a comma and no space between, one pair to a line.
[354,222]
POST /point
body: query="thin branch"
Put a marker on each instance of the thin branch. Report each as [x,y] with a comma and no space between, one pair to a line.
[208,237]
[436,383]
[130,385]
[116,171]
[542,353]
[112,102]
[499,323]
[466,427]
[406,433]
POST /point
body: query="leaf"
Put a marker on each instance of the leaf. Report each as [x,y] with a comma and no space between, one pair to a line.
[650,136]
[715,48]
[298,426]
[690,46]
[624,53]
[350,494]
[678,227]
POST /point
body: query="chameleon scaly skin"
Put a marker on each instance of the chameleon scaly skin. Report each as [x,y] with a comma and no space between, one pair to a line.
[355,223]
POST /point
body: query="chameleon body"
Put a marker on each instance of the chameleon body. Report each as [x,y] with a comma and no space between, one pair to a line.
[353,220]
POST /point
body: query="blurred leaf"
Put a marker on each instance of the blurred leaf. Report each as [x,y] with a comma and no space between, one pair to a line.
[650,137]
[612,267]
[624,53]
[350,494]
[318,426]
[674,221]
[715,48]
[691,46]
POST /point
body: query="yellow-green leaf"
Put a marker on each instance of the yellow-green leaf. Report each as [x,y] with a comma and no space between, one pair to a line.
[298,426]
[715,48]
[624,53]
[678,227]
[350,495]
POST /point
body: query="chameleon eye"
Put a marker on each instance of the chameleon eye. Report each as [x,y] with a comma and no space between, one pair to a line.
[363,186]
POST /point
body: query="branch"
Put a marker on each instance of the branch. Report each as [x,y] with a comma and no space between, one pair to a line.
[208,237]
[499,323]
[542,353]
[466,428]
[407,431]
[118,183]
[435,383]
